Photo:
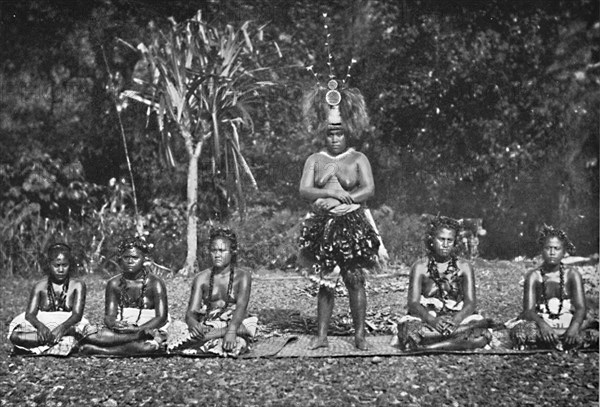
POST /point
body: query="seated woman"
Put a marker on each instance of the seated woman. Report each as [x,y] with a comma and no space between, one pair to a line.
[54,316]
[441,298]
[216,314]
[136,315]
[554,310]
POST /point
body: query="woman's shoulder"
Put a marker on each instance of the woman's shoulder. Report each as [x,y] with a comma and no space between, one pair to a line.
[534,274]
[316,156]
[201,278]
[419,265]
[153,279]
[40,284]
[77,283]
[243,273]
[464,264]
[114,280]
[357,154]
[202,275]
[572,273]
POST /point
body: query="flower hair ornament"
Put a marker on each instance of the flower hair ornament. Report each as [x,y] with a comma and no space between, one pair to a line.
[550,231]
[138,242]
[436,224]
[336,106]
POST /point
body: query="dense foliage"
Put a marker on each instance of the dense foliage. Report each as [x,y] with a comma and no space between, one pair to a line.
[478,110]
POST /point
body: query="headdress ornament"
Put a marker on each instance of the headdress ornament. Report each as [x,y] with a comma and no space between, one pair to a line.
[550,231]
[136,241]
[337,105]
[57,248]
[437,223]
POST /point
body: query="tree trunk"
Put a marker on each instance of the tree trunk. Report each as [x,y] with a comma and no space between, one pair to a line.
[192,204]
[562,216]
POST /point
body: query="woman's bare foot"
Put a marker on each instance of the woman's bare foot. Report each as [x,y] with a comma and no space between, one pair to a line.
[361,343]
[319,342]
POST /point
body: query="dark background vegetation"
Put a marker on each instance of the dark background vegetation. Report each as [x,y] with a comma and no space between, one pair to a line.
[479,109]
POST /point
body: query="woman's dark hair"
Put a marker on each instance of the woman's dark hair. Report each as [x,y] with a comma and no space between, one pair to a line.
[225,233]
[440,222]
[551,231]
[54,250]
[222,233]
[130,242]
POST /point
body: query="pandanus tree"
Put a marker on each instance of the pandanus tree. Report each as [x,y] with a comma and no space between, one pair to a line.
[199,79]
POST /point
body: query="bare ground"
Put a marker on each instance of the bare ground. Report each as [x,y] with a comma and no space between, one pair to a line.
[534,380]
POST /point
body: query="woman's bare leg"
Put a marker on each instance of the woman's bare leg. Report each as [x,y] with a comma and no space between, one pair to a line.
[325,302]
[358,309]
[25,339]
[131,348]
[107,337]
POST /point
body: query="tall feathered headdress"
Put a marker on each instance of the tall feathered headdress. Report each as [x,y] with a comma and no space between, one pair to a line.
[335,106]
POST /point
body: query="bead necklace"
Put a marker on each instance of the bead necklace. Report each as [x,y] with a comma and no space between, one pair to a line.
[339,156]
[434,274]
[124,296]
[62,299]
[561,272]
[210,289]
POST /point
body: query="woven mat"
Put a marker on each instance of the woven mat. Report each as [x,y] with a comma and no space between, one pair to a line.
[297,345]
[287,334]
[343,346]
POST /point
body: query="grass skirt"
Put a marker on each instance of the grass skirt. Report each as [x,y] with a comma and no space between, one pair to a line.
[338,244]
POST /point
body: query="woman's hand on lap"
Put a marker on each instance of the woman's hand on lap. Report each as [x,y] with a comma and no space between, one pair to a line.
[198,331]
[342,196]
[547,333]
[125,328]
[444,325]
[59,332]
[326,203]
[45,335]
[571,337]
[229,341]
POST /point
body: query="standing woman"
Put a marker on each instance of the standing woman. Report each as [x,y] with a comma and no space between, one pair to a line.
[338,237]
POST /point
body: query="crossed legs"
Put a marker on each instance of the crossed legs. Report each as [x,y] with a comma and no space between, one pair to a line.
[108,342]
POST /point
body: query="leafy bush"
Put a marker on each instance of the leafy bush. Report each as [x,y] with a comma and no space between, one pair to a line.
[58,188]
[25,235]
[166,224]
[402,234]
[43,200]
[266,238]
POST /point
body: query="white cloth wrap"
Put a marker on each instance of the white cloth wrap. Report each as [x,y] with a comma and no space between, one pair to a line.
[560,325]
[438,304]
[130,315]
[51,319]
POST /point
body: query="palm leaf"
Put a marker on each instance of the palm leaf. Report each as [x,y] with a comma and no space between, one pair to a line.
[235,143]
[200,77]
